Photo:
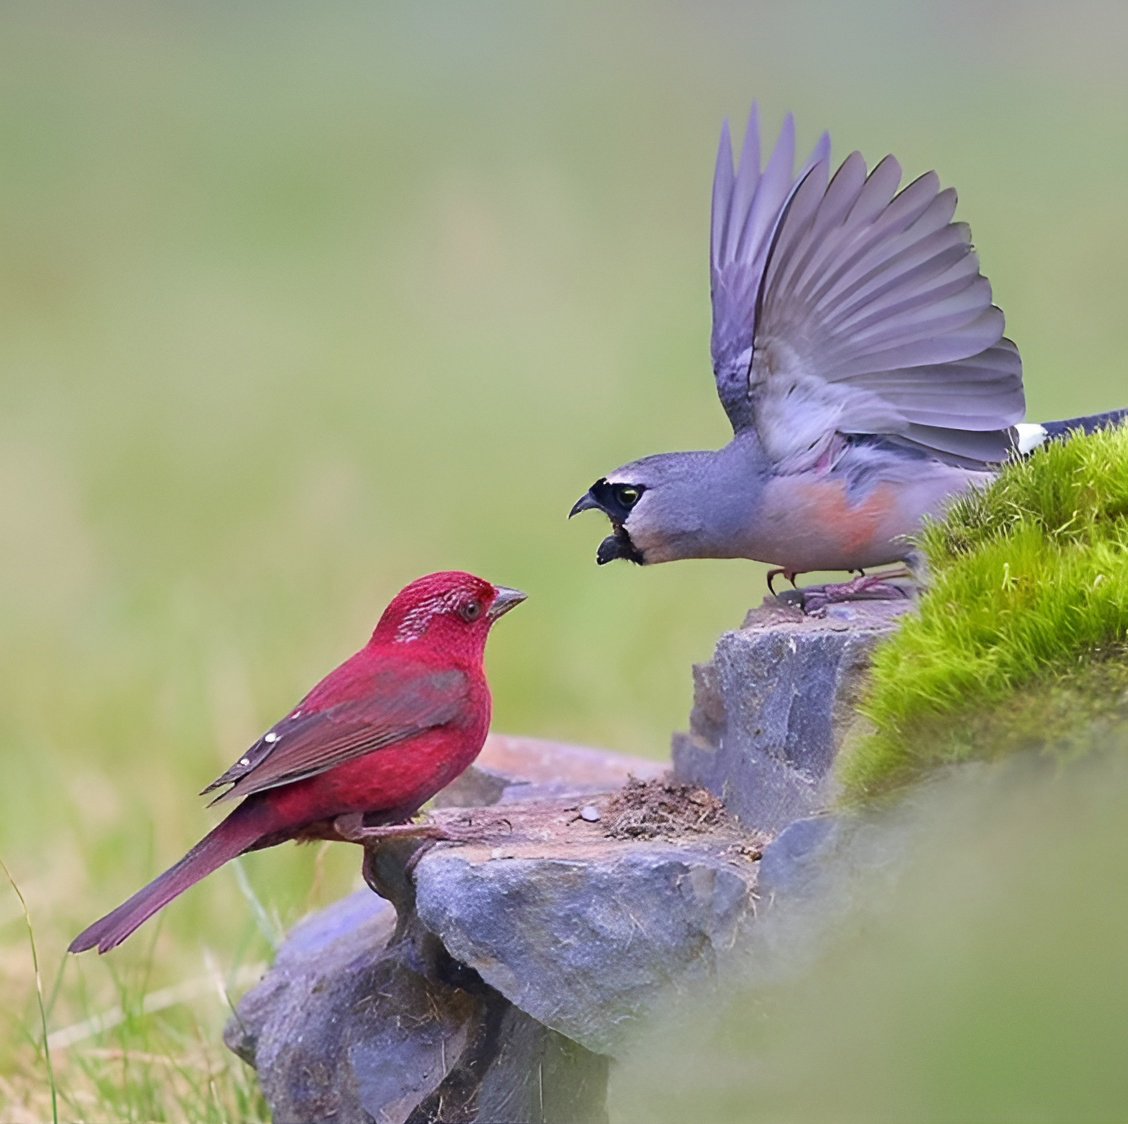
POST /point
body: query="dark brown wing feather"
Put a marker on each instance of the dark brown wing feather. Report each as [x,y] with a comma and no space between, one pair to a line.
[396,706]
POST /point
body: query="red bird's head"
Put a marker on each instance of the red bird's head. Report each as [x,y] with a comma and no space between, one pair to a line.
[453,610]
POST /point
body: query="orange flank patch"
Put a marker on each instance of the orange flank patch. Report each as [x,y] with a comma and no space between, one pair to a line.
[853,527]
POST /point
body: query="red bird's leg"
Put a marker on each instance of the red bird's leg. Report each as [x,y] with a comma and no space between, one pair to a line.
[351,829]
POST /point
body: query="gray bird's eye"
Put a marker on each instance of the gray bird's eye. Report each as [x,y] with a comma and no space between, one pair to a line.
[471,611]
[627,494]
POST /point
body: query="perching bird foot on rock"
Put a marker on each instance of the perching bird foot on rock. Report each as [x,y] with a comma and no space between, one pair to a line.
[889,585]
[861,362]
[351,829]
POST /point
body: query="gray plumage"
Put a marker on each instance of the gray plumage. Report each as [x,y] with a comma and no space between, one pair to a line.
[859,357]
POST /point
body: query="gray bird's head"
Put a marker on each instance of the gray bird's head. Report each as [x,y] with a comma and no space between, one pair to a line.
[670,506]
[617,500]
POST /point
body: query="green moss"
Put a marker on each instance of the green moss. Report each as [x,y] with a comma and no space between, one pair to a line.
[1024,626]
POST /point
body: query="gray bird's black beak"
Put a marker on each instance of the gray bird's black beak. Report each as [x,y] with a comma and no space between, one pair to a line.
[618,545]
[586,502]
[504,600]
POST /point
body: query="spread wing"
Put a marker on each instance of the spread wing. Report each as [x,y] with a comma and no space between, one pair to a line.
[869,316]
[747,208]
[396,704]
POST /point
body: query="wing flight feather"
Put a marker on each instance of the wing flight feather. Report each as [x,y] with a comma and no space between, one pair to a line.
[865,299]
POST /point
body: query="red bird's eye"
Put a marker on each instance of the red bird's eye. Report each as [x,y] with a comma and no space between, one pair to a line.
[471,611]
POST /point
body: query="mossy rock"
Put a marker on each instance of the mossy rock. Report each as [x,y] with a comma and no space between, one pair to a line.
[1022,636]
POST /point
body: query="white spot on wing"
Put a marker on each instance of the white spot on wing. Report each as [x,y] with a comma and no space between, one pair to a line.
[271,737]
[244,760]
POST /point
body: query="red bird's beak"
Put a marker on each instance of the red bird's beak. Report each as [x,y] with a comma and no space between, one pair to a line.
[504,600]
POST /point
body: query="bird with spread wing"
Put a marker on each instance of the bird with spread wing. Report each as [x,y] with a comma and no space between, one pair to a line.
[862,363]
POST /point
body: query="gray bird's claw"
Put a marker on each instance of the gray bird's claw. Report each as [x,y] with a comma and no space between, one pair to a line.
[814,599]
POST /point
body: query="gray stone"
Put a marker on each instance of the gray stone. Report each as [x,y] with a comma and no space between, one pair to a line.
[580,931]
[354,1024]
[517,964]
[792,863]
[776,704]
[365,1015]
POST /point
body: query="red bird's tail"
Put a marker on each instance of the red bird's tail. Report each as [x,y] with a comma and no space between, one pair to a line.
[244,827]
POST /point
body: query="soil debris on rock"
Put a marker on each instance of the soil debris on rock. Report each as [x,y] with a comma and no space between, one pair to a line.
[648,809]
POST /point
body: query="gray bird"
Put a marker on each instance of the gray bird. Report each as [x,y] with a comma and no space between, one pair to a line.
[861,362]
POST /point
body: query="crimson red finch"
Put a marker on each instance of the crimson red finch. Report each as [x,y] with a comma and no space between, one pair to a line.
[369,744]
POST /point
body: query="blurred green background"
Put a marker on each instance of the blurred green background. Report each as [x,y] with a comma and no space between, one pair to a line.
[298,302]
[963,962]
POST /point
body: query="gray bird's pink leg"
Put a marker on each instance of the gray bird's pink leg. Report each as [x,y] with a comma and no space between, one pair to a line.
[814,599]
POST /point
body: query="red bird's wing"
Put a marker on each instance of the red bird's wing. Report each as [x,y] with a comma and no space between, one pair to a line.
[394,707]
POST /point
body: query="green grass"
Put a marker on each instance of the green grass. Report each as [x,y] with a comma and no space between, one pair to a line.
[45,1040]
[1022,635]
[298,302]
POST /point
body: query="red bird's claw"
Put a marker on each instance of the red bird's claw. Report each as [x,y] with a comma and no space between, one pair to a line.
[351,829]
[470,832]
[453,833]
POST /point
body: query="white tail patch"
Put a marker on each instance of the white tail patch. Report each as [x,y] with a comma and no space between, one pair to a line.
[1028,436]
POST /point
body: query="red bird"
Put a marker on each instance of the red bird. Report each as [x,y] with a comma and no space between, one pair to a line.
[371,743]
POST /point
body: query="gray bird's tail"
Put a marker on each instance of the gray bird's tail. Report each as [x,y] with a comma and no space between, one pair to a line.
[1029,435]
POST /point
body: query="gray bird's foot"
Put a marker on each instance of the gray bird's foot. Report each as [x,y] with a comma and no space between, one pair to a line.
[790,575]
[814,599]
